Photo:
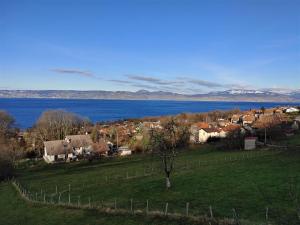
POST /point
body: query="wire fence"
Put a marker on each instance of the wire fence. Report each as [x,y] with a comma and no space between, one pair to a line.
[154,169]
[66,195]
[206,214]
[134,207]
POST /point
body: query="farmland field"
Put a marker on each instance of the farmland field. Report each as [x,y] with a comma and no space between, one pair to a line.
[247,182]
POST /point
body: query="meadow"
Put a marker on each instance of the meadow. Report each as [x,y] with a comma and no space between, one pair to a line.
[250,182]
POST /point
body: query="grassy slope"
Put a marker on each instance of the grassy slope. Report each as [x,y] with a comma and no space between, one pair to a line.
[14,210]
[247,185]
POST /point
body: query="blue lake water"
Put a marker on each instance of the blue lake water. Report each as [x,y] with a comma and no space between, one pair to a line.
[27,111]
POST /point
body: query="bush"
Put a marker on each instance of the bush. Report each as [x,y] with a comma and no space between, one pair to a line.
[6,169]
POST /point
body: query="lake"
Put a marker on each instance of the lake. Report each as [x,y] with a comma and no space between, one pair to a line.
[27,111]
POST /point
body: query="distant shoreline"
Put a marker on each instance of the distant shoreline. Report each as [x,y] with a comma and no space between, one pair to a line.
[226,96]
[154,99]
[175,100]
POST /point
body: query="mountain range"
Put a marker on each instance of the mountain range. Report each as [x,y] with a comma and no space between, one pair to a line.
[234,95]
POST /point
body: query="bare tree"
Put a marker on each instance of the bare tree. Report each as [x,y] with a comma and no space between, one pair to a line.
[163,142]
[9,146]
[56,124]
[6,122]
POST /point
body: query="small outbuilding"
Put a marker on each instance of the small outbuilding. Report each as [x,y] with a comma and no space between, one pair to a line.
[250,143]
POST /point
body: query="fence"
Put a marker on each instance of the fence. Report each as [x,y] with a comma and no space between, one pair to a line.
[61,195]
[148,170]
[179,167]
[135,207]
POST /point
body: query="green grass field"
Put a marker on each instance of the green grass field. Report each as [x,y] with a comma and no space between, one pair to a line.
[246,181]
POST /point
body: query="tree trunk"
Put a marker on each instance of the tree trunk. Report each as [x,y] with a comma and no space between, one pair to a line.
[168,183]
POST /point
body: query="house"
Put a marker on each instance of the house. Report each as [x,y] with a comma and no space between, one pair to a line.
[124,151]
[151,125]
[81,144]
[235,118]
[250,143]
[57,151]
[222,122]
[297,119]
[248,119]
[195,128]
[206,133]
[230,128]
[291,110]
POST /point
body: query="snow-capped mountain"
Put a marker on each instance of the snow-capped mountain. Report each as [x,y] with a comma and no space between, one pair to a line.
[266,92]
[233,95]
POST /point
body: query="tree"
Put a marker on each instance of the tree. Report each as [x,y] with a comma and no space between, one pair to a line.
[163,143]
[6,163]
[6,122]
[234,140]
[9,146]
[263,109]
[56,124]
[95,135]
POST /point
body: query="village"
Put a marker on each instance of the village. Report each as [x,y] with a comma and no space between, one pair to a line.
[112,139]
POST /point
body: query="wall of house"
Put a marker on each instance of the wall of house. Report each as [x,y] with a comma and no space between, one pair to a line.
[203,136]
[250,144]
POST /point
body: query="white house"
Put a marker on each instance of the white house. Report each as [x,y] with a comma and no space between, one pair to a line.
[206,133]
[57,151]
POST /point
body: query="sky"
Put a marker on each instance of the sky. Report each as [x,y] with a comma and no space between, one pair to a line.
[181,46]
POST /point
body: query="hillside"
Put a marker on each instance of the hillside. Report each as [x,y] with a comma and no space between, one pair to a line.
[246,181]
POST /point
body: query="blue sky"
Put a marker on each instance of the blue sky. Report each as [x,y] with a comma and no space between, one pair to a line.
[181,46]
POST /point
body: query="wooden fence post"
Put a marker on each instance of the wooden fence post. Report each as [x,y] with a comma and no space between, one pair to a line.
[78,202]
[147,207]
[211,212]
[131,205]
[267,214]
[59,197]
[89,202]
[235,217]
[187,209]
[166,209]
[115,204]
[44,197]
[69,198]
